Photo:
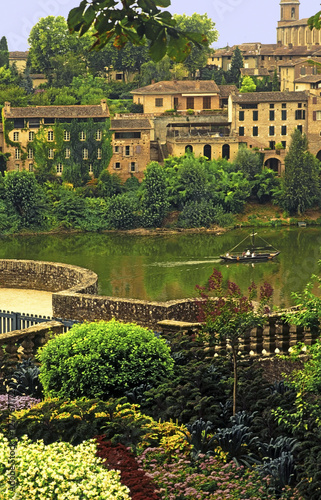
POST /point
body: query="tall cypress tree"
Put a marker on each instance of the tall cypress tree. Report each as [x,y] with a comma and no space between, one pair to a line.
[275,82]
[236,65]
[4,52]
[301,184]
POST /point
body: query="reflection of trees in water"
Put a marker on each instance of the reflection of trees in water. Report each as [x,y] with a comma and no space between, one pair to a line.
[164,266]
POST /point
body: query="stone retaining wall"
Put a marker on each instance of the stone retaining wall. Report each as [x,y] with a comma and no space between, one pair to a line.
[46,276]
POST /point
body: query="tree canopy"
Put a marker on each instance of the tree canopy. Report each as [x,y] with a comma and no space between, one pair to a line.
[135,23]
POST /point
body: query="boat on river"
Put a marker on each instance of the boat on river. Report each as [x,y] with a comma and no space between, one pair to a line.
[249,251]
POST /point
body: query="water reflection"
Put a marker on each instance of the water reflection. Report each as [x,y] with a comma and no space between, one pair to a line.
[165,267]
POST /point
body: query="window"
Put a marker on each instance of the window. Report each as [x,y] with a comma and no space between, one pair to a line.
[132,166]
[98,135]
[34,122]
[271,130]
[17,167]
[241,131]
[59,168]
[272,144]
[206,102]
[283,114]
[30,167]
[91,170]
[159,102]
[16,136]
[302,71]
[175,102]
[283,130]
[283,144]
[50,135]
[17,153]
[31,136]
[255,116]
[127,135]
[293,12]
[30,153]
[271,106]
[117,165]
[241,116]
[283,105]
[299,104]
[127,150]
[99,154]
[66,135]
[85,154]
[318,115]
[18,123]
[51,154]
[116,149]
[300,114]
[299,127]
[190,102]
[255,131]
[67,153]
[82,136]
[272,115]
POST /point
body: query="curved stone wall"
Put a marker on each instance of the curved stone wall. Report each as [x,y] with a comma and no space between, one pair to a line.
[46,276]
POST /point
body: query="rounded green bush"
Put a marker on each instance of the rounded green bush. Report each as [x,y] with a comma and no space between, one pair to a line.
[102,360]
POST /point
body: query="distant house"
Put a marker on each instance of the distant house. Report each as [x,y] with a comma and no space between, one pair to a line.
[197,95]
[19,59]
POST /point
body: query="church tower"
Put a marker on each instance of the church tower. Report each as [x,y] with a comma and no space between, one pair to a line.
[289,11]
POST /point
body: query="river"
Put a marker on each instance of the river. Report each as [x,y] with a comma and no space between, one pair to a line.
[162,267]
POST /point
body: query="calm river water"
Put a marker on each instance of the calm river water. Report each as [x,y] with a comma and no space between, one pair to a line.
[165,267]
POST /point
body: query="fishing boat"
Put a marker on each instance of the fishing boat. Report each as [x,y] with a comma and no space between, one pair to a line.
[250,252]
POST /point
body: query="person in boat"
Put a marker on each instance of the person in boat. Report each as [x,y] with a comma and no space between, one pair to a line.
[227,254]
[248,253]
[253,254]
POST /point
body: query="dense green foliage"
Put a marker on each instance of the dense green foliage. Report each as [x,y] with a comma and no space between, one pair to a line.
[102,360]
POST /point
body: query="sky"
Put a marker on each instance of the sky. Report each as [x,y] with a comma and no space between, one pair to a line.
[237,21]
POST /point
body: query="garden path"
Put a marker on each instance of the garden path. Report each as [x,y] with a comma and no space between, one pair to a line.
[26,301]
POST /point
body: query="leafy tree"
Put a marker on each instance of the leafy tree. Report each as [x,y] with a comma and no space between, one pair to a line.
[4,52]
[154,198]
[108,184]
[134,23]
[228,315]
[248,84]
[155,71]
[248,162]
[197,23]
[64,67]
[23,193]
[121,212]
[301,185]
[102,360]
[267,183]
[13,94]
[49,39]
[234,72]
[26,82]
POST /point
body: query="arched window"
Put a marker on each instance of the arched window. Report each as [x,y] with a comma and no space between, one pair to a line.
[207,151]
[188,149]
[226,151]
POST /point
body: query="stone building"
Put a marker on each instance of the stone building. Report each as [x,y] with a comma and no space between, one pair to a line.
[131,146]
[270,118]
[196,95]
[22,124]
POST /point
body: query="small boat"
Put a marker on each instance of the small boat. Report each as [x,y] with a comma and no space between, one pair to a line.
[251,252]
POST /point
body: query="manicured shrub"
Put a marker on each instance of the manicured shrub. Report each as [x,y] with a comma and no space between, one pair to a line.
[25,380]
[58,470]
[102,360]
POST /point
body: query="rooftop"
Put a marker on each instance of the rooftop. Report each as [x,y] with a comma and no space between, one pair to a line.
[179,87]
[75,111]
[251,97]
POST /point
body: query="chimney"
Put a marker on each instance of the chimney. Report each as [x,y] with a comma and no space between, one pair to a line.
[290,45]
[103,104]
[7,108]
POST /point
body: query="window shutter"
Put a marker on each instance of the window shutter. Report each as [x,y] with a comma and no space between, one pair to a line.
[138,149]
[314,115]
[314,101]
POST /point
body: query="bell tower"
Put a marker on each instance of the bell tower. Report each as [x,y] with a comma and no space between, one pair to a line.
[289,11]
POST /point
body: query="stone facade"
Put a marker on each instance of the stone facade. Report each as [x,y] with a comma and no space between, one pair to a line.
[180,96]
[131,146]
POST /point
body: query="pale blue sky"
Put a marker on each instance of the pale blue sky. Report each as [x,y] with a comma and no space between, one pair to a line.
[237,21]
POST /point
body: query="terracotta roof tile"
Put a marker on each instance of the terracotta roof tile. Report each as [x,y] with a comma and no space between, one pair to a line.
[226,90]
[308,79]
[270,97]
[75,111]
[179,87]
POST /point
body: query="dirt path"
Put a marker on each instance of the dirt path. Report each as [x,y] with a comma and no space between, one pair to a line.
[26,301]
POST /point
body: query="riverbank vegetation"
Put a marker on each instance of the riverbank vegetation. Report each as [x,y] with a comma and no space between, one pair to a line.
[185,192]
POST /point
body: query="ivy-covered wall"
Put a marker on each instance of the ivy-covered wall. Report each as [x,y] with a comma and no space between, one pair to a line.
[79,145]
